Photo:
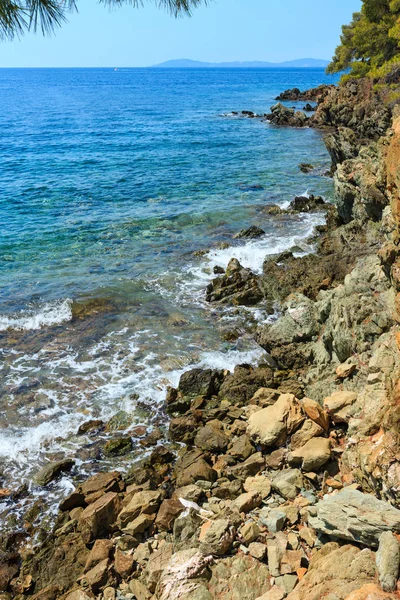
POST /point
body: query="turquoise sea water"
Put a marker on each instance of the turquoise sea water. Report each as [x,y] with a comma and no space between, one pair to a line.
[111,182]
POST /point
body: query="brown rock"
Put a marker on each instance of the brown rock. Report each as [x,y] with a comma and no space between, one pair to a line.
[313,455]
[99,484]
[247,502]
[272,425]
[97,577]
[192,467]
[145,502]
[140,524]
[101,551]
[123,564]
[370,591]
[315,412]
[307,431]
[260,484]
[99,517]
[340,406]
[168,512]
[211,438]
[345,370]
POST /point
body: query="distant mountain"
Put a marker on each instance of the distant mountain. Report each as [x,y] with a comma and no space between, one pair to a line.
[184,63]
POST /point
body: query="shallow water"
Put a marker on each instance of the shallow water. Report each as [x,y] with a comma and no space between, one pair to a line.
[111,181]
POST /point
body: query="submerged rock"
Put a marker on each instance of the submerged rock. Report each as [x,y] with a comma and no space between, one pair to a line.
[250,233]
[53,470]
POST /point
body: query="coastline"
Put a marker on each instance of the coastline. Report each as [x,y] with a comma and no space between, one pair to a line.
[260,455]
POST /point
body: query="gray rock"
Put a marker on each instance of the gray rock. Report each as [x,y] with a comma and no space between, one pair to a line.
[288,483]
[352,515]
[273,519]
[387,561]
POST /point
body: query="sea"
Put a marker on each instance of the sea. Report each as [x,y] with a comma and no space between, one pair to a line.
[121,190]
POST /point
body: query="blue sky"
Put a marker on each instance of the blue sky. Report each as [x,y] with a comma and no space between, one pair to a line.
[226,30]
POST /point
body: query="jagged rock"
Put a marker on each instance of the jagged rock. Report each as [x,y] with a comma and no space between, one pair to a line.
[239,286]
[101,551]
[99,516]
[335,572]
[315,412]
[281,115]
[342,145]
[253,465]
[249,532]
[272,425]
[241,385]
[242,448]
[340,406]
[260,484]
[352,515]
[158,561]
[306,203]
[247,501]
[145,502]
[237,577]
[288,483]
[192,467]
[216,537]
[307,431]
[185,576]
[168,512]
[317,94]
[212,438]
[387,561]
[312,456]
[250,233]
[258,550]
[274,519]
[183,429]
[98,485]
[200,382]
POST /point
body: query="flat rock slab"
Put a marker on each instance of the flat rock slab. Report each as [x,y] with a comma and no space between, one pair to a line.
[352,515]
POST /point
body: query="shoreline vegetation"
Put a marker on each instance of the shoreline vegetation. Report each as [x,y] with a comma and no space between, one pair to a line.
[280,479]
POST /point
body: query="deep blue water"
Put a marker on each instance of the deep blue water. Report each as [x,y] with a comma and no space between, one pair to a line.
[110,180]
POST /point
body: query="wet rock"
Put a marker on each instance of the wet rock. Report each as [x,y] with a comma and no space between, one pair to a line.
[317,94]
[200,382]
[119,422]
[306,167]
[98,517]
[250,233]
[306,203]
[118,446]
[53,470]
[92,426]
[272,425]
[352,515]
[239,286]
[387,561]
[312,456]
[281,115]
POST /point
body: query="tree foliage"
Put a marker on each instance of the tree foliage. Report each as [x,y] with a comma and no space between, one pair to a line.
[371,40]
[17,17]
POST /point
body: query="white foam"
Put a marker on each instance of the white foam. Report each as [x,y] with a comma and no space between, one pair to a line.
[50,313]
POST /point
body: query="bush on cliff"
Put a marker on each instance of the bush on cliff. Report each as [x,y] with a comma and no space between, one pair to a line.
[370,44]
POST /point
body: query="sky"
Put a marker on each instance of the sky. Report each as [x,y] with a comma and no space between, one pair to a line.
[225,30]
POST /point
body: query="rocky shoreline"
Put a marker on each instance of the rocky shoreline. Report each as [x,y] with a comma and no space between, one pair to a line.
[282,479]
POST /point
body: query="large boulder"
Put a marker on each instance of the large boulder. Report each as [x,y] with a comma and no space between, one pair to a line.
[271,426]
[335,572]
[354,516]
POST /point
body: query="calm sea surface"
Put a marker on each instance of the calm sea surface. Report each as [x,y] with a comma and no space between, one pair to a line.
[111,184]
